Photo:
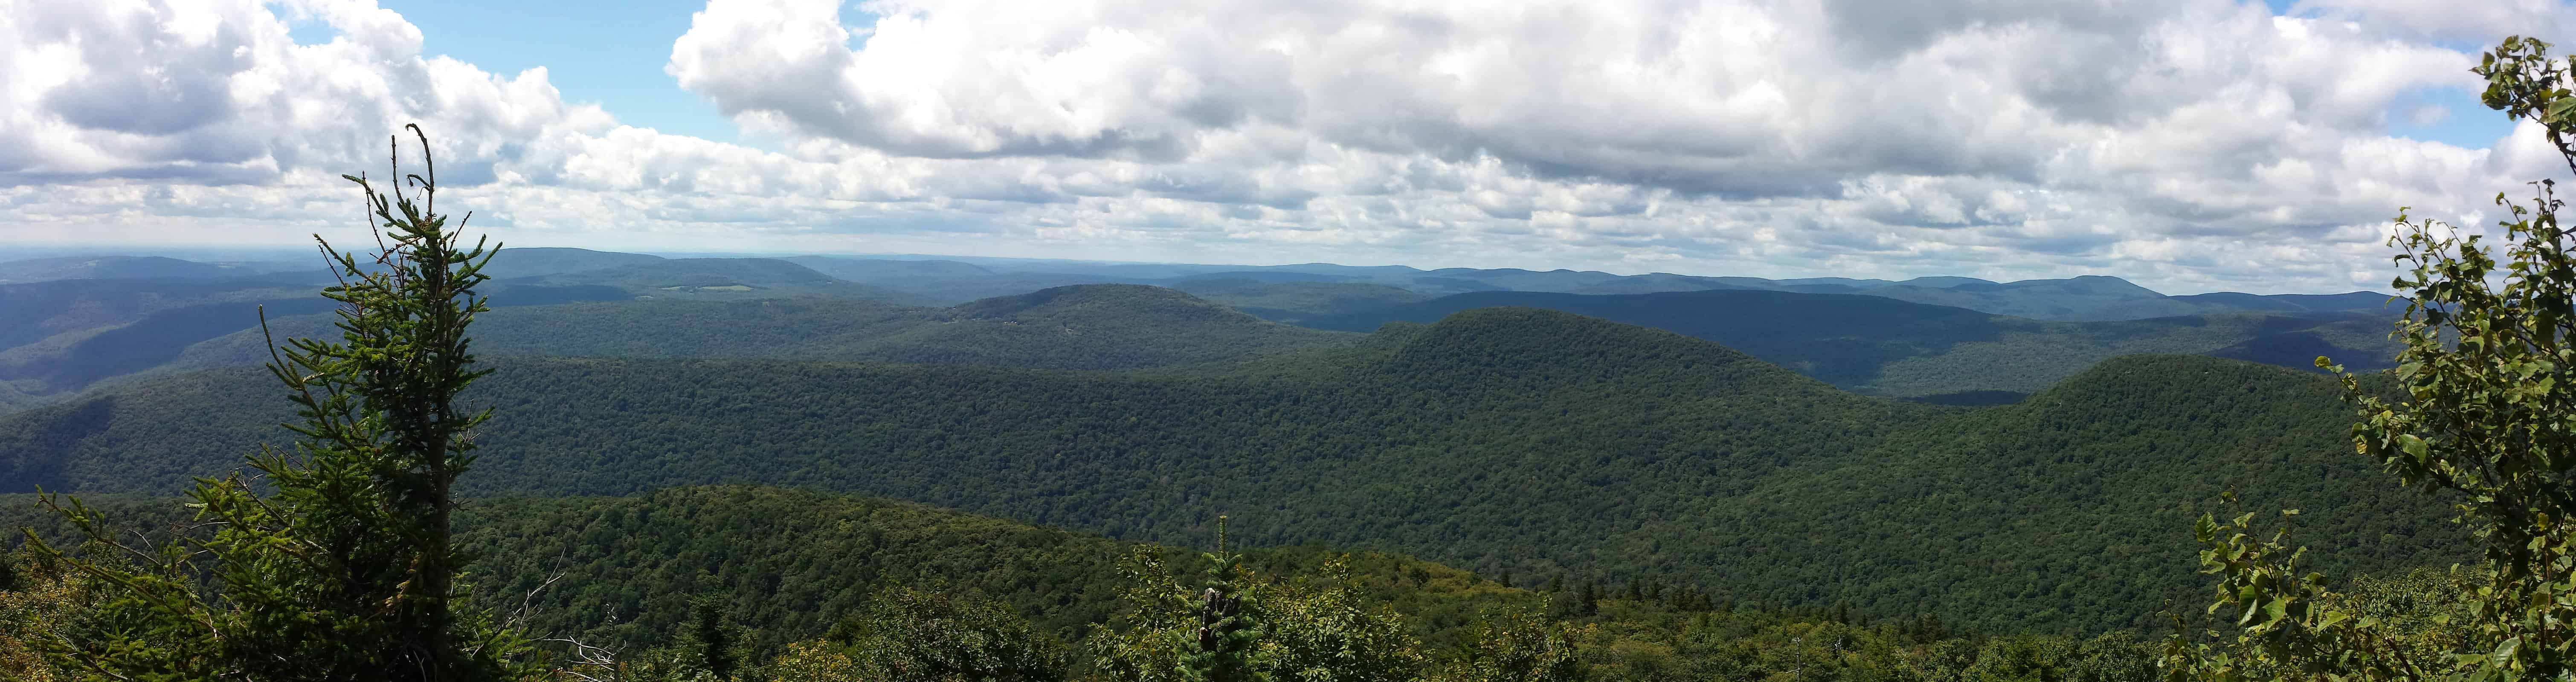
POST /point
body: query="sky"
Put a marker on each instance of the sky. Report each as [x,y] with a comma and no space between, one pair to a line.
[2187,145]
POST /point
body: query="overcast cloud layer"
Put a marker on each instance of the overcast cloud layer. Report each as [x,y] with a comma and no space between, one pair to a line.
[2190,145]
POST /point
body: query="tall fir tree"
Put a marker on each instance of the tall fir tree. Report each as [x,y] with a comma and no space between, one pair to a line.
[332,560]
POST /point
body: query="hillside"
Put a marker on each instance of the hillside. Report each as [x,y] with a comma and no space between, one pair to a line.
[62,334]
[1498,439]
[100,317]
[783,566]
[105,267]
[2090,298]
[13,399]
[106,329]
[66,335]
[1292,302]
[947,280]
[143,267]
[715,279]
[880,271]
[803,558]
[1300,293]
[942,282]
[2356,301]
[1883,346]
[39,310]
[1095,327]
[518,261]
[1088,327]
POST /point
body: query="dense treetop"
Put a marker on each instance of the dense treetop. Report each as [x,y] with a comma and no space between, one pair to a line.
[784,571]
[1296,301]
[1885,346]
[1499,439]
[80,332]
[1106,326]
[716,279]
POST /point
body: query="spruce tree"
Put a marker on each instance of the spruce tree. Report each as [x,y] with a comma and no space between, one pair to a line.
[712,636]
[1241,627]
[332,560]
[913,635]
[1180,635]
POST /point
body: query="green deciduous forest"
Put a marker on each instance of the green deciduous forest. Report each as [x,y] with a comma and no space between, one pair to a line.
[1502,439]
[790,577]
[96,332]
[1099,326]
[1886,346]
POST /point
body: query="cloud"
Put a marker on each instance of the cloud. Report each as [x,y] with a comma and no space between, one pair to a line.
[2481,23]
[2191,145]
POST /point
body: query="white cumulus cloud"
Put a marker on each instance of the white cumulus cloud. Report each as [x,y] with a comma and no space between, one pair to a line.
[2190,145]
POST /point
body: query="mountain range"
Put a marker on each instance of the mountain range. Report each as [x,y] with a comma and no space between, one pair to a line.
[1497,439]
[2087,298]
[1775,469]
[786,566]
[92,324]
[1885,346]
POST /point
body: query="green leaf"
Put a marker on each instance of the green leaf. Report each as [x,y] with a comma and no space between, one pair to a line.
[2504,653]
[2558,109]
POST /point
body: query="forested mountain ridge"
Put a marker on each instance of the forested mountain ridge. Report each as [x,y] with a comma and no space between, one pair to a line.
[2355,301]
[1088,327]
[957,279]
[75,333]
[37,310]
[138,267]
[1103,326]
[783,566]
[1885,346]
[94,318]
[720,279]
[941,282]
[786,562]
[70,334]
[879,270]
[512,262]
[1294,302]
[1867,344]
[1499,439]
[2083,298]
[2078,299]
[627,567]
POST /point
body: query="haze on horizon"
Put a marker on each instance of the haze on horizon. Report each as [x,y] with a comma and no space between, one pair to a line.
[2191,146]
[282,258]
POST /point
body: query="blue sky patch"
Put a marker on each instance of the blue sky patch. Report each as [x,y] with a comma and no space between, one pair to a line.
[607,53]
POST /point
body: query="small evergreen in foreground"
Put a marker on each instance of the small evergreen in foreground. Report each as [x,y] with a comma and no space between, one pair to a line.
[1238,628]
[333,561]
